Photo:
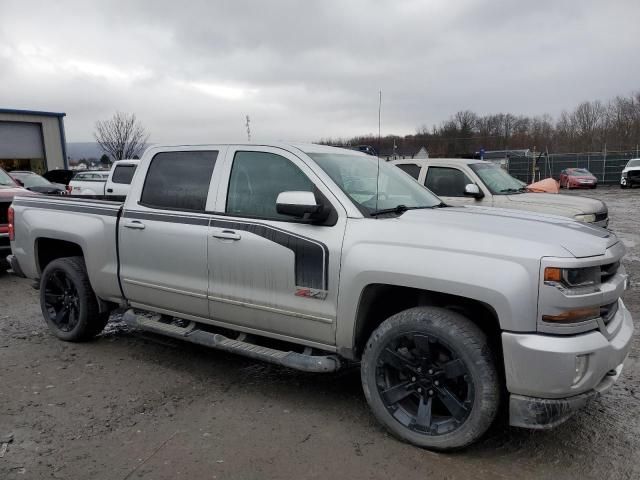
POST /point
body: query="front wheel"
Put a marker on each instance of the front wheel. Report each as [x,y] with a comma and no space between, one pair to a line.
[68,303]
[430,378]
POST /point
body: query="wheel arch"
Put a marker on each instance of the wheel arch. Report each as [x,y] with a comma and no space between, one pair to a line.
[379,301]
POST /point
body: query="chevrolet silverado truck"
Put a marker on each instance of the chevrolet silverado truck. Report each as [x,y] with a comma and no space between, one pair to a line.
[479,183]
[314,257]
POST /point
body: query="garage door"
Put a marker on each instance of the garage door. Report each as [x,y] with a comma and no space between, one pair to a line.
[21,140]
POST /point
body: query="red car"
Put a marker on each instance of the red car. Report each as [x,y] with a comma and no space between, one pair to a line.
[8,189]
[577,178]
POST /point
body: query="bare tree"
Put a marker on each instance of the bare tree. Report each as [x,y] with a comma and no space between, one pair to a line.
[122,136]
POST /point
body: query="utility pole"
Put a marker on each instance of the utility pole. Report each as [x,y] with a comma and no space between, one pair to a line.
[248,128]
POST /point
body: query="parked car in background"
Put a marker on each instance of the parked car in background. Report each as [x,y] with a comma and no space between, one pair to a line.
[479,183]
[630,174]
[114,183]
[60,175]
[313,257]
[8,189]
[577,178]
[35,183]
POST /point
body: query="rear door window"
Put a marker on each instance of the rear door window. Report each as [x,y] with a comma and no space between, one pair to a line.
[446,182]
[410,168]
[123,174]
[179,180]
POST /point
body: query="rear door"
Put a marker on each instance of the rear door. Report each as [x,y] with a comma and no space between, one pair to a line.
[163,233]
[269,272]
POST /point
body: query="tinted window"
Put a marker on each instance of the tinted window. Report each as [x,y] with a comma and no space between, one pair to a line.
[446,182]
[179,180]
[411,169]
[256,180]
[123,174]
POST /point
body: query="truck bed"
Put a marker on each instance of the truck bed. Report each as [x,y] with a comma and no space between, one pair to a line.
[88,223]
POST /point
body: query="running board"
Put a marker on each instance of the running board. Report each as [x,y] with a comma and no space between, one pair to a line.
[297,361]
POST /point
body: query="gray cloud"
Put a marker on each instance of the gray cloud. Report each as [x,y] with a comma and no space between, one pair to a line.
[309,69]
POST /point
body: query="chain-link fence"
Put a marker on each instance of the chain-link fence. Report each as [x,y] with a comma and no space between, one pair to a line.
[606,166]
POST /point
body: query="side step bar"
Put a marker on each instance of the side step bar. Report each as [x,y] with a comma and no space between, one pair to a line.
[190,333]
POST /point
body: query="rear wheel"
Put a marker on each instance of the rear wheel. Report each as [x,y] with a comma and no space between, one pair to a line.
[430,378]
[68,303]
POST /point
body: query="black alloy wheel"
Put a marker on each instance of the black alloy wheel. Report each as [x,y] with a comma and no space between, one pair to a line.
[61,300]
[424,385]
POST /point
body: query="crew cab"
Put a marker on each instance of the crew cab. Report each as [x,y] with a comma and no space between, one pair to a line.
[114,183]
[314,257]
[480,183]
[630,175]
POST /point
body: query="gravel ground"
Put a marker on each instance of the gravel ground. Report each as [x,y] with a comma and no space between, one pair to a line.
[132,405]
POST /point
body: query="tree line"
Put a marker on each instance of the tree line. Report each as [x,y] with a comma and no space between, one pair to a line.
[591,126]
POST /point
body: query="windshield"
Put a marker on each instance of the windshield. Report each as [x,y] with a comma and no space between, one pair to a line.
[579,171]
[32,180]
[356,176]
[497,179]
[634,163]
[5,180]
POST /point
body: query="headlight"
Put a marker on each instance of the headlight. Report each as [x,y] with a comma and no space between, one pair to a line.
[624,174]
[588,218]
[572,277]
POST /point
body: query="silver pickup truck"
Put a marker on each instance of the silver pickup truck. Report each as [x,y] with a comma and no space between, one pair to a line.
[314,258]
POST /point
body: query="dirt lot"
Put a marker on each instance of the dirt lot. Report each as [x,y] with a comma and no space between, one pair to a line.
[132,405]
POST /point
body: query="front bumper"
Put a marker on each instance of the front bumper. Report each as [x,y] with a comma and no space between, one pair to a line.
[540,369]
[545,413]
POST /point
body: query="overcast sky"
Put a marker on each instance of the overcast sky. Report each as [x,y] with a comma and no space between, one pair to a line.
[302,70]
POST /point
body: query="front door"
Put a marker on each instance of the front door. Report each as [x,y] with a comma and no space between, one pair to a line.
[269,272]
[448,183]
[163,238]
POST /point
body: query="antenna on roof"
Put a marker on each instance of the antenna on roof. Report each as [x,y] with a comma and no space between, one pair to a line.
[248,128]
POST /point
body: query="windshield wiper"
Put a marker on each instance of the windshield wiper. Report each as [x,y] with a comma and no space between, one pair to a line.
[513,190]
[403,208]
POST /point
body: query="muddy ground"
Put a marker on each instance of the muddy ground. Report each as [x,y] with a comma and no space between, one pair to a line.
[131,405]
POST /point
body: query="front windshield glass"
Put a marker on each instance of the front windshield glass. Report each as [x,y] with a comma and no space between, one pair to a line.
[579,171]
[31,180]
[497,179]
[5,180]
[634,163]
[356,176]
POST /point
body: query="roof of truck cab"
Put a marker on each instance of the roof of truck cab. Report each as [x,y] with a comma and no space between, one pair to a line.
[303,147]
[427,161]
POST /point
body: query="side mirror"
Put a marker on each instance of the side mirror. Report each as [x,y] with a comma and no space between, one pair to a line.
[472,190]
[297,204]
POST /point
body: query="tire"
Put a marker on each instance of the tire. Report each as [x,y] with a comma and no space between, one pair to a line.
[69,304]
[468,374]
[623,186]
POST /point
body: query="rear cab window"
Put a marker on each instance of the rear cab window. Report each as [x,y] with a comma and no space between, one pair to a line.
[123,174]
[179,180]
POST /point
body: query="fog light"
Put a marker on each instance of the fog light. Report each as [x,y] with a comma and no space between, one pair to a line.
[582,362]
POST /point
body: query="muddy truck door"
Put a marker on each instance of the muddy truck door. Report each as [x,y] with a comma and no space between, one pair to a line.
[163,231]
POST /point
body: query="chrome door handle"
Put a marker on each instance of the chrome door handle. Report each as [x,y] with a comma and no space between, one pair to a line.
[135,224]
[227,235]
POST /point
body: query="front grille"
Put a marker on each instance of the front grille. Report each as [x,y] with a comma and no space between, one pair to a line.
[4,213]
[609,270]
[608,311]
[601,216]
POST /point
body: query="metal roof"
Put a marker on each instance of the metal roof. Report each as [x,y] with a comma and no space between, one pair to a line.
[31,112]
